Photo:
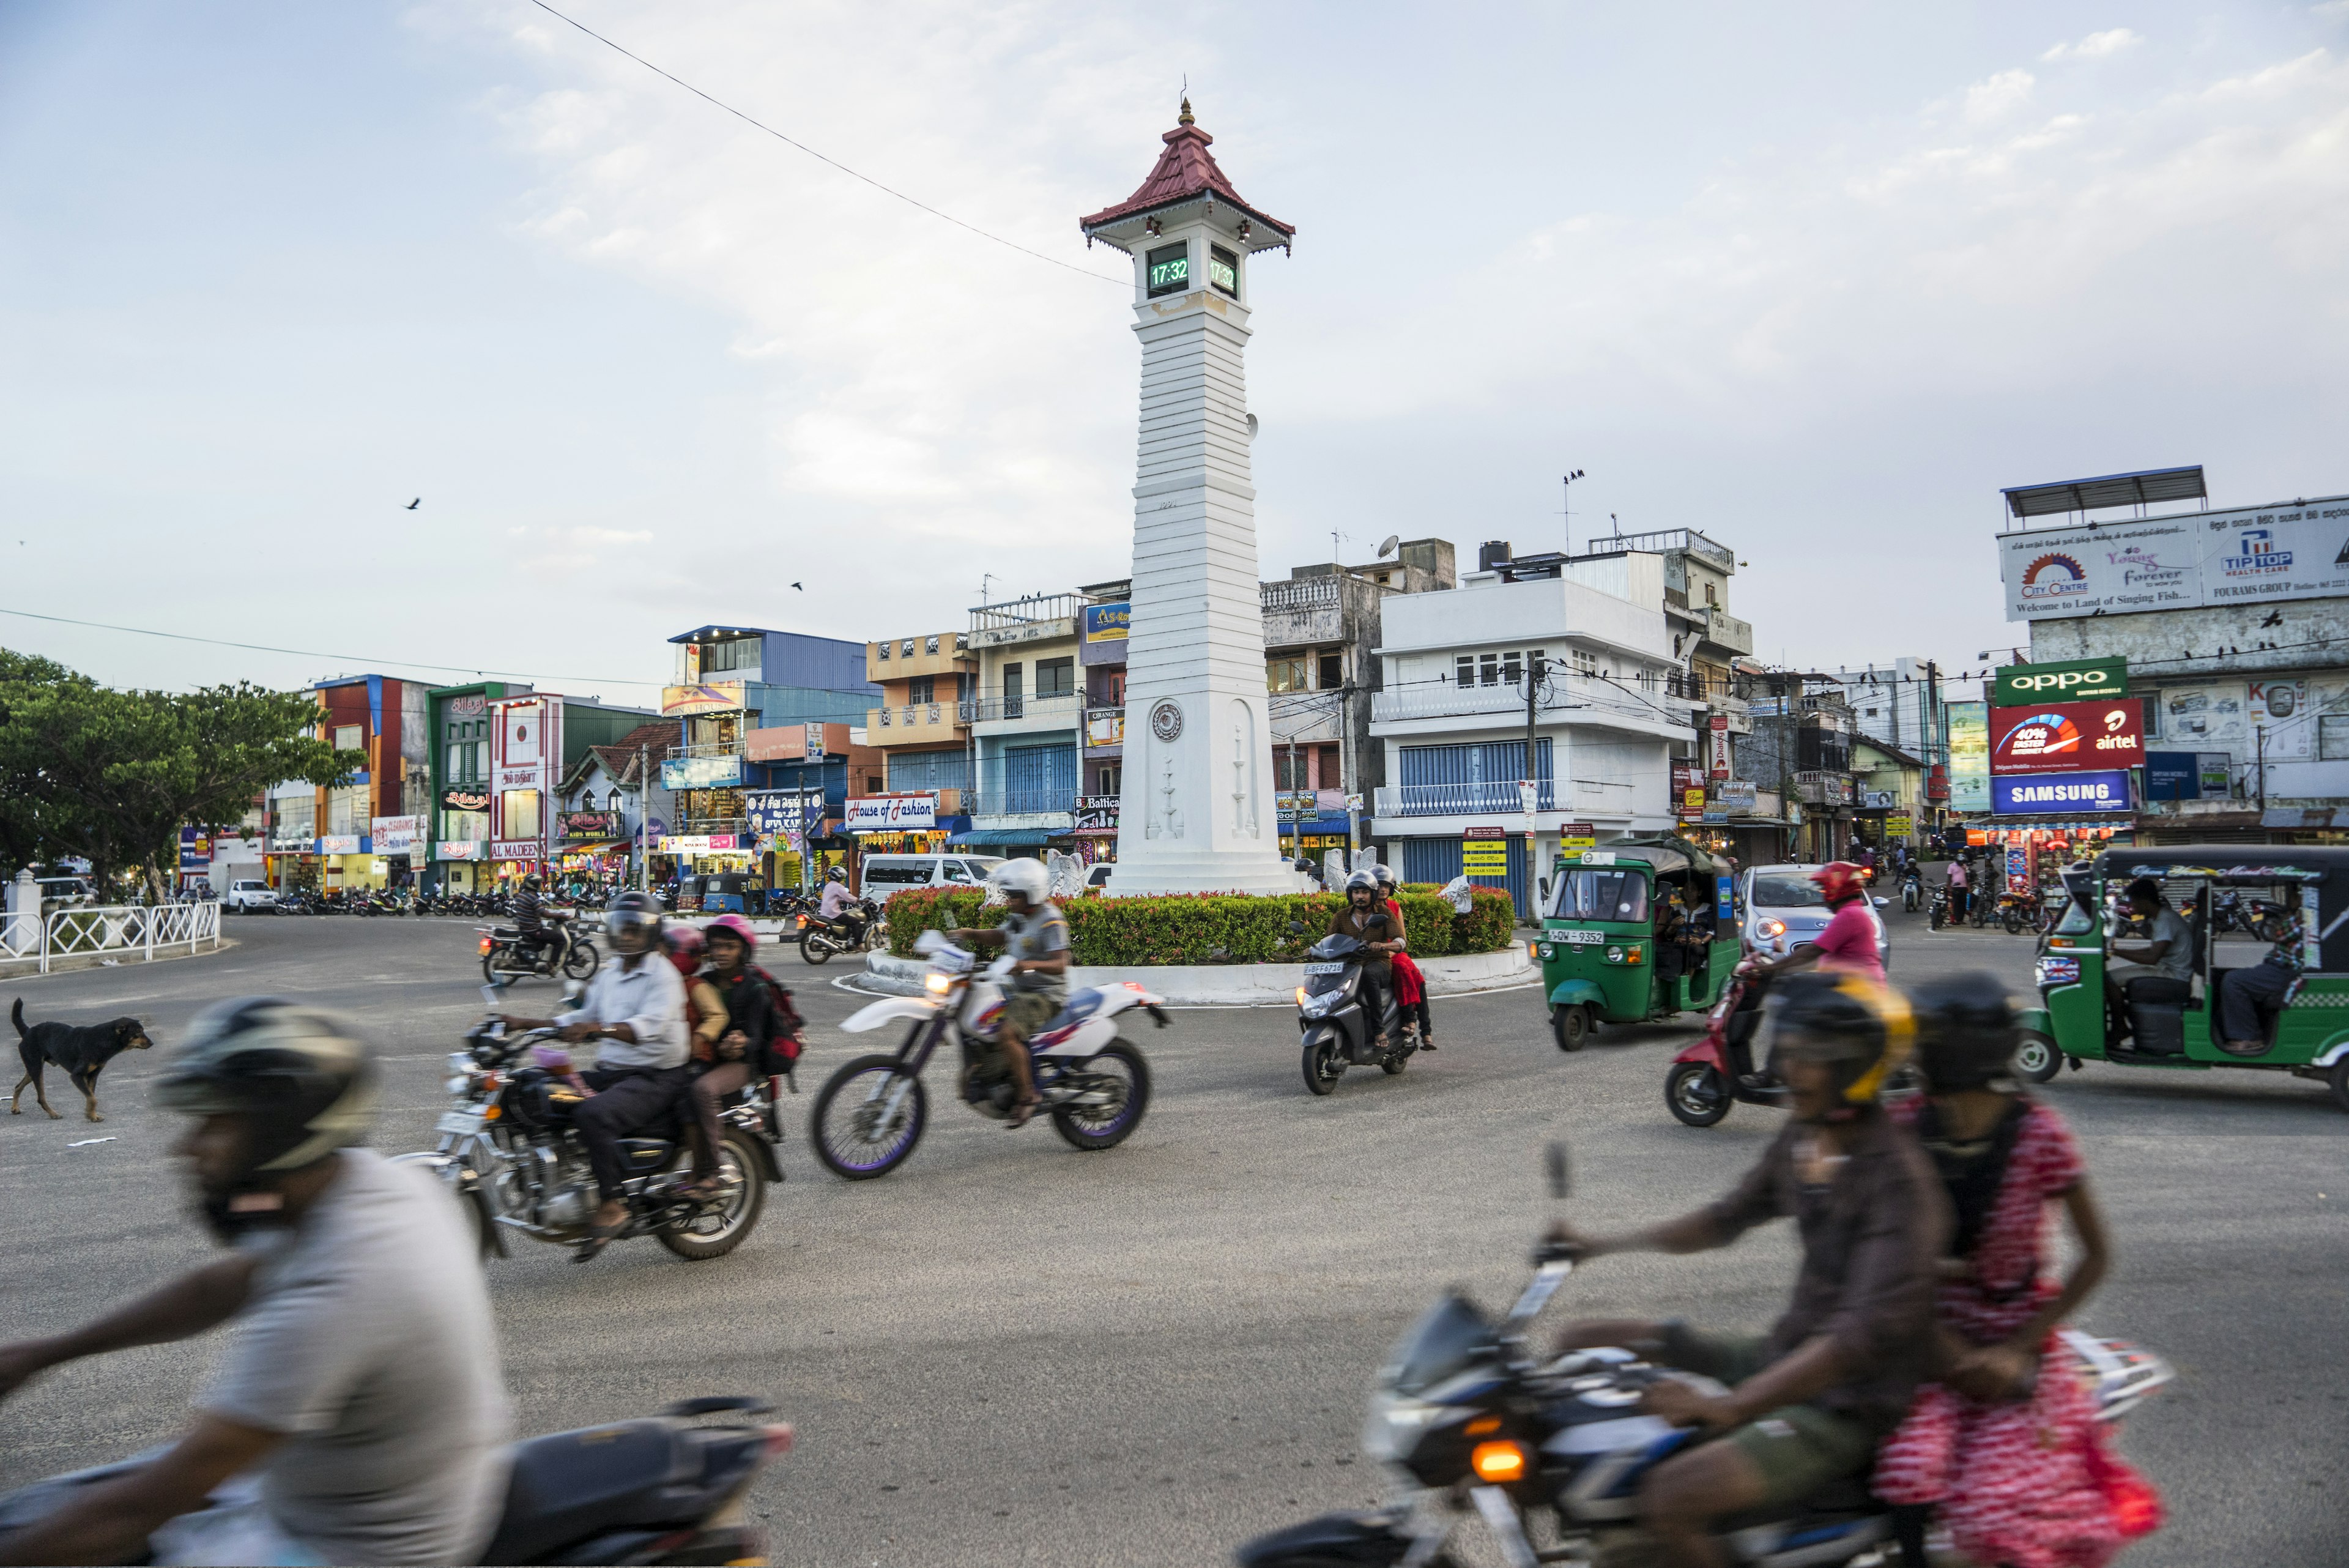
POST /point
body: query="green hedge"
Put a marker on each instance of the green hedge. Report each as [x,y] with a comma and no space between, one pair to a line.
[1212,928]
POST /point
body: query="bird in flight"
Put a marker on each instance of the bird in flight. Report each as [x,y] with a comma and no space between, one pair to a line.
[2275,618]
[413,504]
[796,585]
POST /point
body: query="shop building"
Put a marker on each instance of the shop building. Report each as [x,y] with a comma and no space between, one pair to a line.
[2226,628]
[1027,718]
[1798,753]
[610,807]
[324,839]
[919,728]
[500,753]
[1584,645]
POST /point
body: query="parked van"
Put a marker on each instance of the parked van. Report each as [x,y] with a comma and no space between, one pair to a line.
[885,876]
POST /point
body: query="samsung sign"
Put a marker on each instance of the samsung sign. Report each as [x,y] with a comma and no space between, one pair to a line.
[2044,795]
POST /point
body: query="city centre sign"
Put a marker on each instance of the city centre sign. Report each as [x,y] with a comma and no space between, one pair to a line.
[2295,550]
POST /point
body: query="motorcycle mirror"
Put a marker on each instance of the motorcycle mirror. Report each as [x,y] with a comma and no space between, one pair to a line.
[1553,1159]
[1883,903]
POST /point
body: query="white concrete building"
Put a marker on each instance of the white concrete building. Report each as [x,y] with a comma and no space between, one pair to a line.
[1198,812]
[1452,717]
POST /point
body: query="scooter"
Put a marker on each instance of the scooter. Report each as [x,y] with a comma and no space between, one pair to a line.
[1912,891]
[1716,1071]
[655,1490]
[1337,1034]
[870,1114]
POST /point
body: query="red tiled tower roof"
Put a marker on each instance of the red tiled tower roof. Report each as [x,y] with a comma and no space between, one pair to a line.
[1185,170]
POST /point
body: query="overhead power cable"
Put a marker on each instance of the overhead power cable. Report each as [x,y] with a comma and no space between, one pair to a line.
[812,153]
[313,653]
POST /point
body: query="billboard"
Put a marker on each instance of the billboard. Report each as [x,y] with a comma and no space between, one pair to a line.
[1108,623]
[2296,551]
[1969,756]
[397,834]
[2065,681]
[2066,736]
[525,764]
[2042,794]
[890,813]
[713,697]
[701,772]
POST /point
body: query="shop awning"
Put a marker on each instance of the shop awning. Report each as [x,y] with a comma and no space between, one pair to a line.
[1008,838]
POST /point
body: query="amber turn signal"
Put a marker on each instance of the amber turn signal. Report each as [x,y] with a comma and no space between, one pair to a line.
[1498,1463]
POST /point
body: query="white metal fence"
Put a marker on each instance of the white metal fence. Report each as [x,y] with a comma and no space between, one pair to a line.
[125,931]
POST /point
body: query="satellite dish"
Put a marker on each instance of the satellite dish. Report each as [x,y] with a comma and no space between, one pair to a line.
[1388,548]
[1251,427]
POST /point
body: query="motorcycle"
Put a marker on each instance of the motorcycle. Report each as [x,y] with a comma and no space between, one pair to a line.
[1912,891]
[504,955]
[508,1150]
[1466,1414]
[1937,913]
[870,1114]
[1337,1034]
[1716,1070]
[657,1489]
[850,932]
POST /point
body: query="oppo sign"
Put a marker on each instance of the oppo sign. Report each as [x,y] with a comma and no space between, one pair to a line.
[2075,679]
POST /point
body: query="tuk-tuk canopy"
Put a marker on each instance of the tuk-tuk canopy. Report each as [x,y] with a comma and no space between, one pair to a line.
[2235,862]
[1665,854]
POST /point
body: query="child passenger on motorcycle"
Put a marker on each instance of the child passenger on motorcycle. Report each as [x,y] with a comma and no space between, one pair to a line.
[2004,1443]
[739,1038]
[1808,1402]
[1410,984]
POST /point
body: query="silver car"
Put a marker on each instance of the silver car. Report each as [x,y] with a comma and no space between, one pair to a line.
[1783,910]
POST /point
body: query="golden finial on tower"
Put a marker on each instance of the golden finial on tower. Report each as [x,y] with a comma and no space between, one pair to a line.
[1185,118]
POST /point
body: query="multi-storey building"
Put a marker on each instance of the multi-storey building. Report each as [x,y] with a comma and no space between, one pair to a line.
[918,725]
[500,755]
[329,838]
[1026,710]
[1575,649]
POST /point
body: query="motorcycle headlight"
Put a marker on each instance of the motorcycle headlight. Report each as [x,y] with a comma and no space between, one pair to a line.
[1315,1006]
[1395,1425]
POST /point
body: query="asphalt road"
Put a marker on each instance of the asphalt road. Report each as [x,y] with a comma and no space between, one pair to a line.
[1011,1352]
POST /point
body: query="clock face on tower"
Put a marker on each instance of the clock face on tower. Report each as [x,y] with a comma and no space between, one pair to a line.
[1167,719]
[1170,269]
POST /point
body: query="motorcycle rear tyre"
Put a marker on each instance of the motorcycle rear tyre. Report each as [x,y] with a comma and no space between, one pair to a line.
[1320,1053]
[1571,1026]
[848,1072]
[581,961]
[811,950]
[754,1186]
[2013,922]
[1138,1074]
[490,970]
[1686,1095]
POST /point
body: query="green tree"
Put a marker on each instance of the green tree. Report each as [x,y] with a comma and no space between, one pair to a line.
[114,775]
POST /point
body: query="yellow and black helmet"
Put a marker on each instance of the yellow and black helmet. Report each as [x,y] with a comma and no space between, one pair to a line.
[1863,1029]
[302,1077]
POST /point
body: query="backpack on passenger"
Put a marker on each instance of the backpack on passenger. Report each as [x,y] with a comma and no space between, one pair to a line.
[787,1043]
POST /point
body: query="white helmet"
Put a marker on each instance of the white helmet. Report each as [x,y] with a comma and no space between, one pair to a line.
[1025,878]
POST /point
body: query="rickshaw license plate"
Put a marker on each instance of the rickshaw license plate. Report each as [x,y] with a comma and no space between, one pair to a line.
[1325,969]
[1579,938]
[464,1124]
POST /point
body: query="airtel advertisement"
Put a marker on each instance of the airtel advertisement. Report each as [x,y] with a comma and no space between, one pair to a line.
[2067,737]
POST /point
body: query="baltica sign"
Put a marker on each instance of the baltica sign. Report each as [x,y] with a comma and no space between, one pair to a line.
[2036,794]
[2070,680]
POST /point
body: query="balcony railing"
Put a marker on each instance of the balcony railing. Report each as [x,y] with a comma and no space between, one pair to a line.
[1496,798]
[1065,706]
[1561,694]
[1301,593]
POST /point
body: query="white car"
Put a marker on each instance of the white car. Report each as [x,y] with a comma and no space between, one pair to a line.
[247,896]
[1783,910]
[885,876]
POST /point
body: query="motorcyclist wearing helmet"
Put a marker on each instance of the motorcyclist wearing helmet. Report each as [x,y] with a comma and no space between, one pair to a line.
[361,1398]
[1410,982]
[1808,1402]
[836,895]
[1365,919]
[745,1028]
[635,1007]
[1035,934]
[1847,945]
[530,918]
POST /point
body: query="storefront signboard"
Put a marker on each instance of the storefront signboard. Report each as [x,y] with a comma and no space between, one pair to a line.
[701,843]
[703,697]
[1693,804]
[1898,825]
[811,744]
[465,800]
[1969,756]
[701,772]
[338,843]
[1105,727]
[517,849]
[2048,795]
[195,849]
[891,813]
[1717,738]
[2278,712]
[1107,623]
[397,834]
[1097,813]
[293,844]
[457,849]
[1735,795]
[776,812]
[590,825]
[2248,556]
[2218,770]
[2058,737]
[1573,836]
[2063,680]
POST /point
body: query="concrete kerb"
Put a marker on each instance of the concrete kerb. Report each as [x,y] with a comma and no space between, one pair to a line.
[1228,985]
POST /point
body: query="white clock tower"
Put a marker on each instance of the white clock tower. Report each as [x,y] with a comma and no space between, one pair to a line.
[1198,816]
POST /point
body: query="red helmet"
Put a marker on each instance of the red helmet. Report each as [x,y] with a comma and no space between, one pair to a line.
[1839,882]
[734,926]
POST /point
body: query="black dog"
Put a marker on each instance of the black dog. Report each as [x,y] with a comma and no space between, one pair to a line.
[81,1049]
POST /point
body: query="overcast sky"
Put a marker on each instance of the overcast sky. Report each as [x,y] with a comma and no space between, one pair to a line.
[1818,279]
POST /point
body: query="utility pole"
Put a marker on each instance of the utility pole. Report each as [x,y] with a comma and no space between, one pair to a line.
[2260,752]
[644,836]
[1530,797]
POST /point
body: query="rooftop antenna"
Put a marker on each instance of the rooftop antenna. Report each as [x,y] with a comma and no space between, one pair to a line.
[1568,484]
[984,578]
[1618,525]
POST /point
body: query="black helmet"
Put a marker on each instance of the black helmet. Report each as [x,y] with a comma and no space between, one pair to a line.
[301,1079]
[634,914]
[1966,1030]
[835,873]
[531,883]
[1862,1029]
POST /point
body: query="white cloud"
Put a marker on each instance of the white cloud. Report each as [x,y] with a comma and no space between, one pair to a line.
[1998,96]
[2095,46]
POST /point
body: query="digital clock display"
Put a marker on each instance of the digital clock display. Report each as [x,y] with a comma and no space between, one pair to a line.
[1224,270]
[1170,269]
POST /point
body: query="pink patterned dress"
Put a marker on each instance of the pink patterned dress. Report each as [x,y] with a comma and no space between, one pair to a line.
[2028,1483]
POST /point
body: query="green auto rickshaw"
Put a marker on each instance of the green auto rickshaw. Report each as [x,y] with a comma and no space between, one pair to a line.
[2239,902]
[1634,932]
